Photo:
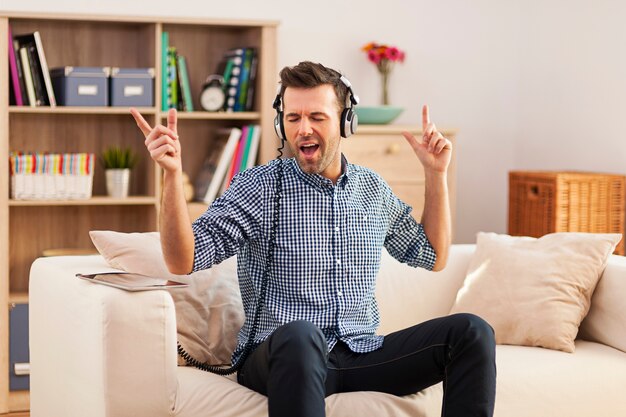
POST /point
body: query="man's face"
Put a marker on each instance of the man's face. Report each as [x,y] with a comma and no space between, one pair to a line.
[311,119]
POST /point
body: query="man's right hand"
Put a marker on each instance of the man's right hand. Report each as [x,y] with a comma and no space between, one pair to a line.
[162,142]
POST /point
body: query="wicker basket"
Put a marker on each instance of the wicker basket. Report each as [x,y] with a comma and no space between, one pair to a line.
[543,202]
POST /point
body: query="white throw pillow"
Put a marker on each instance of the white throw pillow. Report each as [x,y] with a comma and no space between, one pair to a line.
[535,292]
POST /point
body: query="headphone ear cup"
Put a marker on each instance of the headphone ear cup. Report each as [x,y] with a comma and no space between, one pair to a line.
[348,122]
[279,127]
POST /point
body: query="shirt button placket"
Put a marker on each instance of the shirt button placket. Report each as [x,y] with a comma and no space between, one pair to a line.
[337,250]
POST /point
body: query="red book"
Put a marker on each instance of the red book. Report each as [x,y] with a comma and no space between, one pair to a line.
[236,161]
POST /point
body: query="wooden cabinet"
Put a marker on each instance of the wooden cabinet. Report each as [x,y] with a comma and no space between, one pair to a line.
[384,150]
[27,228]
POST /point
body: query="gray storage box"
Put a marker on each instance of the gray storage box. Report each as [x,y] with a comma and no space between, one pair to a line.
[132,87]
[19,366]
[81,86]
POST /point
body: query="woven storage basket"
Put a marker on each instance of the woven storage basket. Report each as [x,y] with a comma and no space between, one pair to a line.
[542,202]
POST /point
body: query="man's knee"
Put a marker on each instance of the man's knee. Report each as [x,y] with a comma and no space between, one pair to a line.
[299,340]
[475,330]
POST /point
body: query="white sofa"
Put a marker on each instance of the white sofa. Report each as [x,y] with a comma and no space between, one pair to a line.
[99,351]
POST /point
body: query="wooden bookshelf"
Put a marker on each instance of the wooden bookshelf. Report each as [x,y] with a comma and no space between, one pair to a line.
[27,228]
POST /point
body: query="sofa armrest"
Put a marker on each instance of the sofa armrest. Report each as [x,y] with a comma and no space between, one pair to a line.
[606,321]
[97,350]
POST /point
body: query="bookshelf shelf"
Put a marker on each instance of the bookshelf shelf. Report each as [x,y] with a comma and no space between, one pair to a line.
[199,115]
[18,297]
[28,228]
[77,110]
[94,201]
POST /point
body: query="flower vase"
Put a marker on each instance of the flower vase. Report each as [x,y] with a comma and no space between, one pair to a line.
[385,87]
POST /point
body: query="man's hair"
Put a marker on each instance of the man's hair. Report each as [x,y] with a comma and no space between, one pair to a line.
[308,74]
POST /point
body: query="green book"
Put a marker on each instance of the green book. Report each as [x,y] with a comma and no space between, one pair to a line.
[246,151]
[183,74]
[164,72]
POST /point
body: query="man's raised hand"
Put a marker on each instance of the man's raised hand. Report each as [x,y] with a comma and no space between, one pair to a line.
[434,150]
[161,141]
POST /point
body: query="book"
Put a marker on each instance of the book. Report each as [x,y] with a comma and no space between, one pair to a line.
[241,150]
[11,93]
[207,171]
[172,77]
[20,73]
[15,75]
[183,76]
[232,168]
[39,65]
[131,282]
[228,70]
[35,72]
[254,146]
[234,82]
[246,151]
[233,135]
[252,82]
[28,79]
[165,93]
[240,104]
[43,63]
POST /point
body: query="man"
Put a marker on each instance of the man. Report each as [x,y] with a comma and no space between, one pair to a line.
[316,331]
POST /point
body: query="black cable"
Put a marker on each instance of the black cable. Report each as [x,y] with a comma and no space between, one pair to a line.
[249,346]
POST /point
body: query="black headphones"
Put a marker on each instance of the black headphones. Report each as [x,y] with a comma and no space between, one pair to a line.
[348,121]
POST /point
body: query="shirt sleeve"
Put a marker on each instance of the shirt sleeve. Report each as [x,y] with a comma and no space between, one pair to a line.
[406,239]
[231,221]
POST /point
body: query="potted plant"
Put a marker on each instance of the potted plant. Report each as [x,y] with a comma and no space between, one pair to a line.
[117,163]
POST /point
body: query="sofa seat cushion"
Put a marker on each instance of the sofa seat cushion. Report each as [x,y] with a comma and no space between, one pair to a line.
[201,394]
[581,384]
[534,381]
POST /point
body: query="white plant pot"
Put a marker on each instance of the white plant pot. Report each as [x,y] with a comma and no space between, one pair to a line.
[117,182]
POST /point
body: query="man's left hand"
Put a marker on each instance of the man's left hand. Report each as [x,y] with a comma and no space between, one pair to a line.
[434,150]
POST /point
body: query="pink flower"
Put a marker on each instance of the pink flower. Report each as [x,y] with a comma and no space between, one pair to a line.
[382,55]
[392,53]
[373,56]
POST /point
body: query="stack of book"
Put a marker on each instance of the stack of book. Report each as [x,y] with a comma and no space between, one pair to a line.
[44,176]
[175,78]
[239,69]
[30,79]
[235,151]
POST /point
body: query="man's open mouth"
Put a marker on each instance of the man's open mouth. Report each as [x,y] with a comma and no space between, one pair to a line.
[309,149]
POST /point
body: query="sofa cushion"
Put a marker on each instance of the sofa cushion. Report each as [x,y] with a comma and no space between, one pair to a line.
[535,292]
[531,382]
[202,394]
[542,382]
[209,312]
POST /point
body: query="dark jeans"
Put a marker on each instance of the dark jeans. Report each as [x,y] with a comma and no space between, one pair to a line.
[293,368]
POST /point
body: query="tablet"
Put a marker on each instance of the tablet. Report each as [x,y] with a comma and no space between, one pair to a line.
[131,282]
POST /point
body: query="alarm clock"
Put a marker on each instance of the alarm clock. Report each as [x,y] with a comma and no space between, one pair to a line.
[212,97]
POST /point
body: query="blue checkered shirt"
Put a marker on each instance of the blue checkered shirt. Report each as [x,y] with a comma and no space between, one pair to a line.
[328,248]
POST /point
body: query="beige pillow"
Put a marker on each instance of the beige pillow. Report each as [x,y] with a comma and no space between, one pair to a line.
[534,292]
[209,312]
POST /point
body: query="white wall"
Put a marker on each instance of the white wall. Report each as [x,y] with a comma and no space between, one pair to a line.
[529,84]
